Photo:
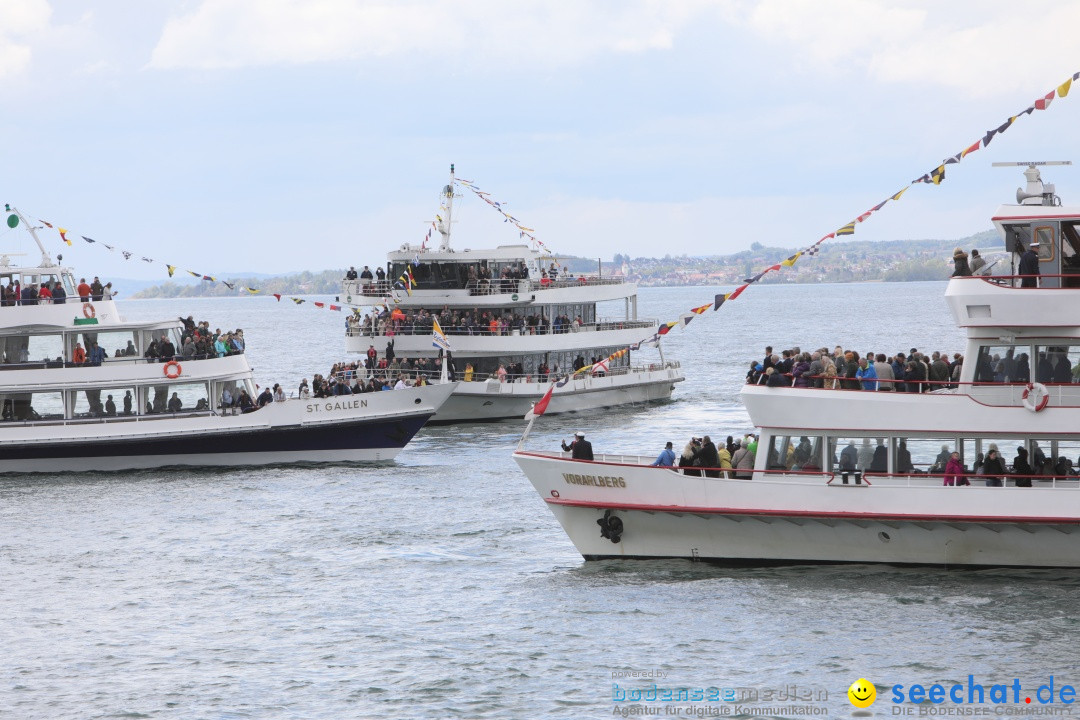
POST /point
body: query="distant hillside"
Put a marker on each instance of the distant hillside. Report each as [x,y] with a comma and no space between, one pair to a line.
[856,261]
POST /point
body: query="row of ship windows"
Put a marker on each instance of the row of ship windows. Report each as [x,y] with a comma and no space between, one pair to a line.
[117,401]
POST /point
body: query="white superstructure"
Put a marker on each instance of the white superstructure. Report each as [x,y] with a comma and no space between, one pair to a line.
[503,307]
[887,501]
[82,389]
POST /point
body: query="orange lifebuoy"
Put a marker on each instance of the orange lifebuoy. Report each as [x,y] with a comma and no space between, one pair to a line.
[88,311]
[169,367]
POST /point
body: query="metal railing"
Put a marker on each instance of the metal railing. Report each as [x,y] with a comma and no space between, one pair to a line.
[486,330]
[433,374]
[494,286]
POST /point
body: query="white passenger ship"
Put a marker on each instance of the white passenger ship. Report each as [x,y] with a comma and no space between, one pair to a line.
[1017,390]
[121,410]
[469,284]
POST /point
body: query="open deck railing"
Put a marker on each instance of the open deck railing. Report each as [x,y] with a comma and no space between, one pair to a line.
[486,331]
[495,286]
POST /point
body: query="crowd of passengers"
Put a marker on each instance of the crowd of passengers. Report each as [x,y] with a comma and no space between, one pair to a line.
[389,372]
[198,342]
[735,458]
[459,322]
[912,372]
[849,370]
[53,293]
[481,280]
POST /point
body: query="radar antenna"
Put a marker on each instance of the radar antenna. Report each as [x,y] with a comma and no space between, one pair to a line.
[1037,192]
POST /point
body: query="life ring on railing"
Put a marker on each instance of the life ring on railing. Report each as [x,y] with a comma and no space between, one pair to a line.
[1035,397]
[170,367]
[88,311]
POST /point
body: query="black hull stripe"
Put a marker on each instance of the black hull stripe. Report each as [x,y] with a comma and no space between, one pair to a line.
[365,435]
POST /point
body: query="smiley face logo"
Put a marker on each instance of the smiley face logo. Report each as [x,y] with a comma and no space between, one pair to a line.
[862,693]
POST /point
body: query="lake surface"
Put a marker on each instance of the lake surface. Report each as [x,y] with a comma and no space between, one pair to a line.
[440,586]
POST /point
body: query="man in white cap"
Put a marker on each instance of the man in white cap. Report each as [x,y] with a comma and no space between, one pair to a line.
[1029,266]
[580,448]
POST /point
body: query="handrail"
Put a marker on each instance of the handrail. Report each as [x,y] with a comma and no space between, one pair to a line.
[485,330]
[1010,281]
[494,286]
[945,384]
[728,473]
[1004,477]
[433,373]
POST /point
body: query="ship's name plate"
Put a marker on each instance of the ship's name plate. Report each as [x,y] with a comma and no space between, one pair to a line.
[337,405]
[594,480]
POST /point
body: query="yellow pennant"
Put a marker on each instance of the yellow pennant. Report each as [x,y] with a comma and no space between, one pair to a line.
[1063,88]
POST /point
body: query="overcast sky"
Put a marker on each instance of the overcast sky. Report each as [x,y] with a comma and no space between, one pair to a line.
[274,135]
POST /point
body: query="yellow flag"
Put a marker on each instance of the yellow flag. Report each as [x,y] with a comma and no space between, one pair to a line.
[791,260]
[172,269]
[897,195]
[1063,88]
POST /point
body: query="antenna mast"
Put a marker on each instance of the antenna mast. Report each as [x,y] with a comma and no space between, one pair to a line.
[447,206]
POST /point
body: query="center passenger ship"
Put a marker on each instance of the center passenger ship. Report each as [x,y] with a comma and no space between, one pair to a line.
[119,409]
[1017,391]
[550,321]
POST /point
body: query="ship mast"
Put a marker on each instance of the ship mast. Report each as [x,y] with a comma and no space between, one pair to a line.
[46,260]
[447,206]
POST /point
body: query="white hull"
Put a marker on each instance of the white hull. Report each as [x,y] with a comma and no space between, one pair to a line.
[366,427]
[483,401]
[792,519]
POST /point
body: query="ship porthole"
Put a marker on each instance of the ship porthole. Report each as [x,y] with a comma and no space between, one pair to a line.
[883,537]
[417,401]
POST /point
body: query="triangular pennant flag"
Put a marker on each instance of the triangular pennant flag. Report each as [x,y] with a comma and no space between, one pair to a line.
[1044,102]
[228,284]
[736,292]
[298,301]
[973,148]
[148,260]
[211,278]
[897,195]
[938,175]
[666,327]
[278,296]
[253,291]
[126,254]
[701,309]
[988,137]
[542,405]
[954,159]
[718,301]
[87,239]
[791,260]
[862,218]
[63,235]
[879,205]
[848,229]
[110,247]
[685,319]
[192,273]
[172,269]
[319,304]
[335,307]
[46,224]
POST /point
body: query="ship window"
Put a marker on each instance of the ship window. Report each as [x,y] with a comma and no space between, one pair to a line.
[1003,364]
[1045,235]
[115,344]
[794,452]
[847,454]
[190,396]
[1057,363]
[975,449]
[25,407]
[33,349]
[925,455]
[92,403]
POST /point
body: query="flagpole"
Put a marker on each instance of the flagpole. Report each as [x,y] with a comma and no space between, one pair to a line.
[525,435]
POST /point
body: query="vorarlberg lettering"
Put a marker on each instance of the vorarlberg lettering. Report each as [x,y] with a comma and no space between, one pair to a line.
[595,480]
[936,694]
[330,406]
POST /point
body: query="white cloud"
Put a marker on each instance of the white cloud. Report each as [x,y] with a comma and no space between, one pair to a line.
[245,33]
[987,48]
[18,20]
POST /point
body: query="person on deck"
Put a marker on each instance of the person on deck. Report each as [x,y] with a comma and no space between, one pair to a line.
[954,471]
[1029,266]
[579,448]
[960,263]
[666,457]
